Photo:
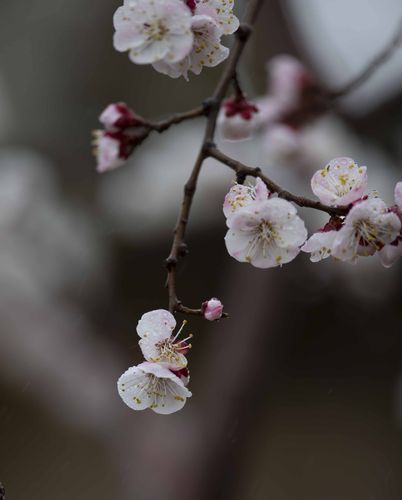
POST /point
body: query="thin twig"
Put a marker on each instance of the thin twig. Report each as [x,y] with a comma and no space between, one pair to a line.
[212,109]
[381,58]
[175,119]
[244,170]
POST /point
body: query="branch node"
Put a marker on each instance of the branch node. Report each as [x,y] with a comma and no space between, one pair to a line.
[210,104]
[171,263]
[183,249]
[189,190]
[241,177]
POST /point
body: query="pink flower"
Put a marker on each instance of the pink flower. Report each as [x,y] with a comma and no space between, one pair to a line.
[265,234]
[367,228]
[212,309]
[158,30]
[288,79]
[119,116]
[340,183]
[241,195]
[150,385]
[158,344]
[237,119]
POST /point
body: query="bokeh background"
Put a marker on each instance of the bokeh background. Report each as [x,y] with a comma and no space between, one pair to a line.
[299,395]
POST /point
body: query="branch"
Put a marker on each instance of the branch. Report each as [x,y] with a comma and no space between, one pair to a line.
[212,109]
[372,67]
[243,170]
[175,119]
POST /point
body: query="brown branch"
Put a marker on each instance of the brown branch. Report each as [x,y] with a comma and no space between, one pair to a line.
[381,58]
[243,170]
[212,109]
[175,119]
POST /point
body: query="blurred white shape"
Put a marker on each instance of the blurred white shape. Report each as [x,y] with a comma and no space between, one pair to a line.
[342,37]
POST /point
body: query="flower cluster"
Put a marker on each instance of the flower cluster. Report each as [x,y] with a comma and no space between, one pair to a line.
[175,36]
[370,226]
[160,382]
[263,230]
[123,130]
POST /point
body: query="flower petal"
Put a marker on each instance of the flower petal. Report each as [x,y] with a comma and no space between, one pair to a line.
[157,324]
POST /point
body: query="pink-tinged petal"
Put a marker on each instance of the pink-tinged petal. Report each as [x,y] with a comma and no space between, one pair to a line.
[239,196]
[282,142]
[261,190]
[319,245]
[390,254]
[245,219]
[212,309]
[108,154]
[235,128]
[398,196]
[159,324]
[340,183]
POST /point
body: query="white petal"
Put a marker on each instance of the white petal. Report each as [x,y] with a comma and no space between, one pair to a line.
[319,245]
[237,244]
[389,254]
[398,195]
[274,256]
[132,387]
[159,324]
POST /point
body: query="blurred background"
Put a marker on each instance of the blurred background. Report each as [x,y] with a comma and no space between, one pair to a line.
[299,395]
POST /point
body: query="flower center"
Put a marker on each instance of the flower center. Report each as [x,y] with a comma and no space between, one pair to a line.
[172,350]
[156,31]
[365,232]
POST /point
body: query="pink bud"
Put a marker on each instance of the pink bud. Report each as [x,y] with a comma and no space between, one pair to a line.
[212,309]
[119,116]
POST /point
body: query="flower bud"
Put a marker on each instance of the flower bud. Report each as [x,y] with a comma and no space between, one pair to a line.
[212,309]
[119,116]
[237,119]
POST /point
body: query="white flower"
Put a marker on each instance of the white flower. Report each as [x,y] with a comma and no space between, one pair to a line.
[153,30]
[109,151]
[265,234]
[340,183]
[367,227]
[221,11]
[240,196]
[150,385]
[207,50]
[157,341]
[319,245]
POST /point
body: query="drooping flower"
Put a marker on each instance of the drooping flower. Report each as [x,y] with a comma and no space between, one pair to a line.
[112,149]
[153,30]
[240,196]
[221,11]
[207,50]
[367,228]
[265,234]
[150,385]
[158,344]
[237,119]
[340,183]
[212,309]
[392,252]
[118,116]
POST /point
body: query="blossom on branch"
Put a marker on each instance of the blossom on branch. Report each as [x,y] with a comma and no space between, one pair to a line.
[221,11]
[111,149]
[240,196]
[367,228]
[158,344]
[207,50]
[150,385]
[340,183]
[265,234]
[153,30]
[118,116]
[212,309]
